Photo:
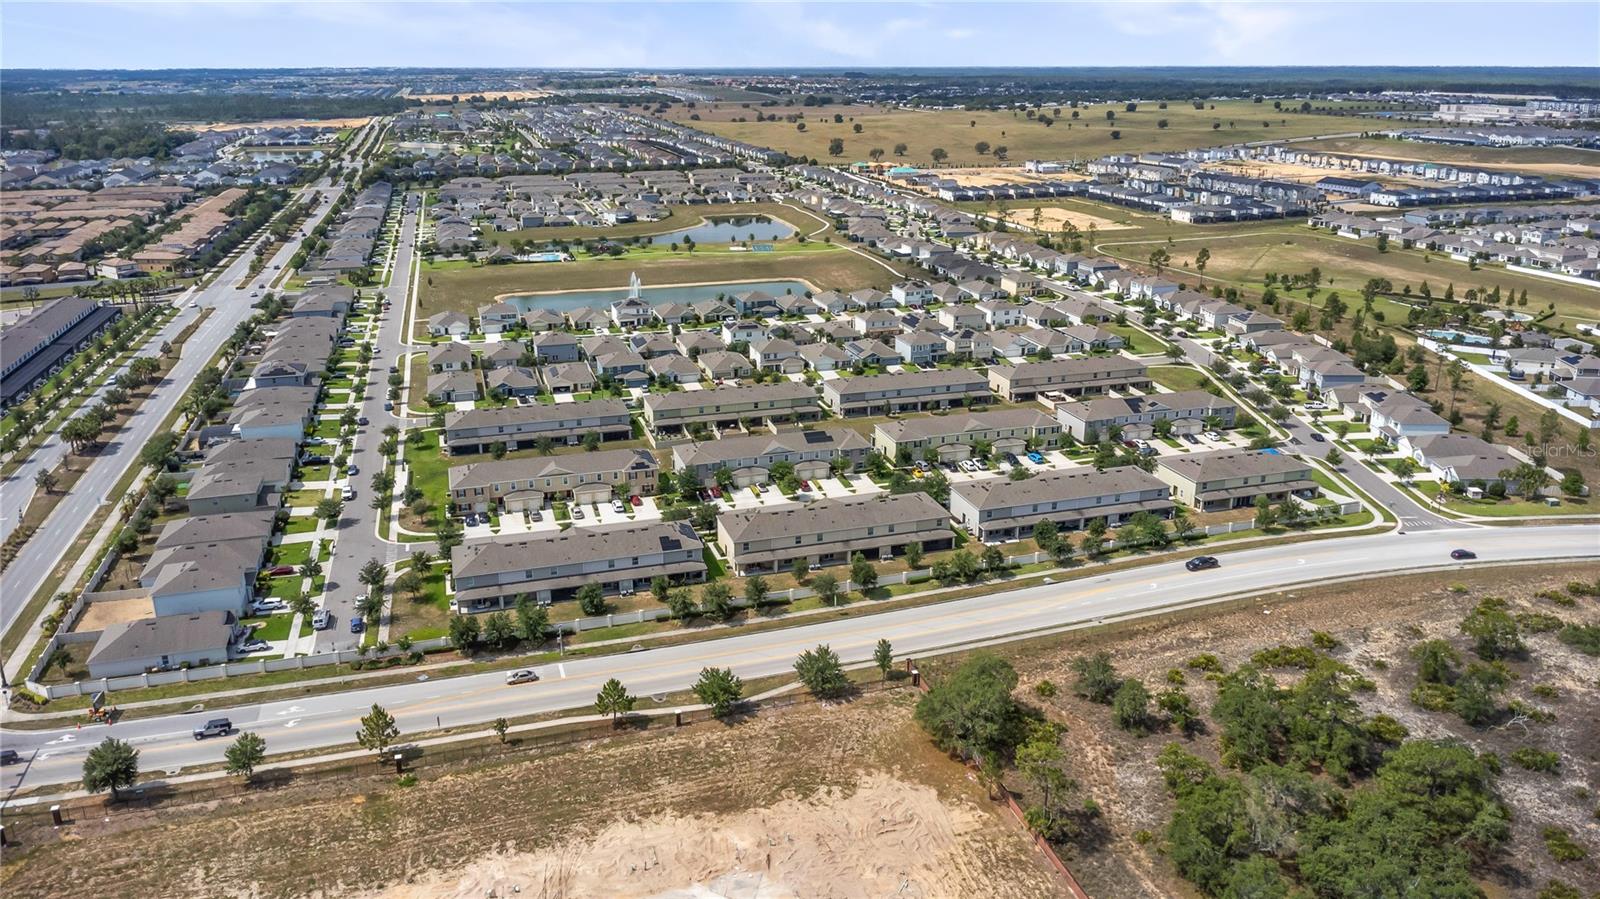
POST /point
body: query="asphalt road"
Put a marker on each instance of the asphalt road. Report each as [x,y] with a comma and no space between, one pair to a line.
[166,745]
[356,538]
[230,306]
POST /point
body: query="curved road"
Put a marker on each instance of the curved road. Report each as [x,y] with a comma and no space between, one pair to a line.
[165,744]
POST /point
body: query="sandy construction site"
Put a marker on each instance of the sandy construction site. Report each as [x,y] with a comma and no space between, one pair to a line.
[1056,218]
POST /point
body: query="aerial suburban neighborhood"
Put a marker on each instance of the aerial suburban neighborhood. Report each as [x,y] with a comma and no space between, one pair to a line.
[834,472]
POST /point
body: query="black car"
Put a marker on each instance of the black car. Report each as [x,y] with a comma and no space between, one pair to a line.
[9,757]
[1201,563]
[1460,554]
[1317,437]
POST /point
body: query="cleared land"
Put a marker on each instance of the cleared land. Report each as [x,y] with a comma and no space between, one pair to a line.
[842,800]
[1056,218]
[958,131]
[678,217]
[489,95]
[352,122]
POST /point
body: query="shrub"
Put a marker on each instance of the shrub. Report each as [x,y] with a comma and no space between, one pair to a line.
[1285,657]
[1434,697]
[1045,689]
[1324,641]
[1205,661]
[1561,847]
[1537,622]
[1540,760]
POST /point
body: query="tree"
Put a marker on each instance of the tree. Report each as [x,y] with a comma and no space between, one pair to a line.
[500,726]
[1097,678]
[498,631]
[1436,660]
[245,754]
[981,148]
[862,574]
[1572,482]
[592,599]
[972,713]
[112,765]
[328,509]
[938,155]
[755,590]
[719,688]
[836,147]
[378,730]
[914,555]
[994,560]
[716,601]
[614,700]
[532,619]
[463,633]
[1130,707]
[821,672]
[1047,534]
[826,587]
[900,149]
[883,655]
[1527,478]
[46,480]
[1493,630]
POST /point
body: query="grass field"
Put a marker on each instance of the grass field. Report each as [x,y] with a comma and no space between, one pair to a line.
[678,217]
[958,131]
[447,286]
[1241,257]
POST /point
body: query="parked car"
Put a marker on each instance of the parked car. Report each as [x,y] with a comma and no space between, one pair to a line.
[1462,554]
[805,485]
[349,493]
[1316,406]
[577,511]
[536,515]
[522,676]
[268,606]
[357,624]
[1190,439]
[716,492]
[321,620]
[1036,458]
[1213,435]
[637,502]
[352,470]
[255,646]
[618,507]
[1201,563]
[216,727]
[280,570]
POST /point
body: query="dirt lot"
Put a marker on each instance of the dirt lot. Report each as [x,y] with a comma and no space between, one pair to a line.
[846,801]
[112,611]
[1376,621]
[1055,218]
[354,122]
[1570,162]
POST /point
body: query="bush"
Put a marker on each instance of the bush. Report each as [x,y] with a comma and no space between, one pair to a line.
[1538,622]
[1324,641]
[1434,697]
[1540,760]
[1561,847]
[1585,638]
[1045,689]
[1205,661]
[1285,657]
[1097,678]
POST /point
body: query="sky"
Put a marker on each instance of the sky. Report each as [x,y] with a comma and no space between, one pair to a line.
[658,34]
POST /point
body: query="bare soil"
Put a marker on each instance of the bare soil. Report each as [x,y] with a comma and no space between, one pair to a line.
[1376,621]
[845,800]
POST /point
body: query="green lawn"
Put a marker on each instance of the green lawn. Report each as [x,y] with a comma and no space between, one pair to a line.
[428,614]
[1511,507]
[300,524]
[295,554]
[1179,377]
[1139,343]
[306,498]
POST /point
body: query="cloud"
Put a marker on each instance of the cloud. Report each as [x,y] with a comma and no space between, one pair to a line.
[1234,30]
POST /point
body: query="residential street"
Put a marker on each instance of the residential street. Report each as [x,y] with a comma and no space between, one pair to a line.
[55,756]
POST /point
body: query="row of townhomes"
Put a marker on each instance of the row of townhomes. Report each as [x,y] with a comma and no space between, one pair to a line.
[200,579]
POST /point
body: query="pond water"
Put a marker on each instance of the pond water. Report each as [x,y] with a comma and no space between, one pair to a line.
[729,228]
[567,301]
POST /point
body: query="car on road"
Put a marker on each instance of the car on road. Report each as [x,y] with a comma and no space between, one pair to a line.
[1201,563]
[363,420]
[255,646]
[216,727]
[352,470]
[1462,554]
[1316,406]
[1316,437]
[357,623]
[9,757]
[321,620]
[349,493]
[388,406]
[522,676]
[1036,458]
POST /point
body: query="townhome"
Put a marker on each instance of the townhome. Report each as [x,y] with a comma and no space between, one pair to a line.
[164,643]
[1135,417]
[515,485]
[273,412]
[1233,479]
[522,427]
[490,574]
[671,415]
[830,531]
[999,509]
[954,437]
[750,458]
[1072,377]
[905,392]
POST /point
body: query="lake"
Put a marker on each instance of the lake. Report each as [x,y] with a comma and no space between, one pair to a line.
[729,228]
[569,300]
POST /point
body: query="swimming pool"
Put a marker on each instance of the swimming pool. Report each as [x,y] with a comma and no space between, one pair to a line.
[566,301]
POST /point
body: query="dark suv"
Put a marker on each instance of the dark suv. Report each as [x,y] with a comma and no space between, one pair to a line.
[1201,563]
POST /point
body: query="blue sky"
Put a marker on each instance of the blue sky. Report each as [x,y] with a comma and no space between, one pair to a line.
[66,34]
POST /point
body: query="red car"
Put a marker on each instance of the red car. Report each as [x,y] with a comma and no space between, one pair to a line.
[636,500]
[805,485]
[281,570]
[716,492]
